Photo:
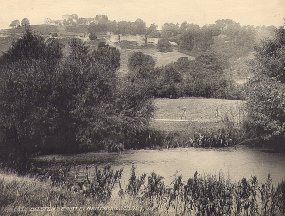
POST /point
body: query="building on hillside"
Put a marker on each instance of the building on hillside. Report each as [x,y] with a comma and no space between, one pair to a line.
[73,17]
[49,21]
[139,39]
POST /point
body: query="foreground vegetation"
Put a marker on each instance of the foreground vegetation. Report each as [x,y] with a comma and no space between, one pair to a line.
[146,194]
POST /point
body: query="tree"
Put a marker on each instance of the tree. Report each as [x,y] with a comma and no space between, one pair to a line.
[25,22]
[102,19]
[135,97]
[169,82]
[31,46]
[235,41]
[94,109]
[15,24]
[27,110]
[170,30]
[152,31]
[187,41]
[141,71]
[207,72]
[164,45]
[138,27]
[124,27]
[266,101]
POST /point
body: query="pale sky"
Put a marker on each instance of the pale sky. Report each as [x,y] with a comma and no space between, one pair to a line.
[252,12]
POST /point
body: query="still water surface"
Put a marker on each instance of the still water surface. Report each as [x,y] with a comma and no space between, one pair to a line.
[235,163]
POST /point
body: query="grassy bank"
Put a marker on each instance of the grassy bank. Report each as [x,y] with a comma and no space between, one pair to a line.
[145,194]
[197,122]
[19,194]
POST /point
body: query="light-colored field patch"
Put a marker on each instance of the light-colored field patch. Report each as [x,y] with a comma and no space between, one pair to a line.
[195,113]
[197,109]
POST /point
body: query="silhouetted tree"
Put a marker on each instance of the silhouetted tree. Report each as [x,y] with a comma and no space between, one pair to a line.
[15,24]
[25,22]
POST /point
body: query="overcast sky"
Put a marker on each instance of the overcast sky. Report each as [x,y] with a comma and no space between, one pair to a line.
[252,12]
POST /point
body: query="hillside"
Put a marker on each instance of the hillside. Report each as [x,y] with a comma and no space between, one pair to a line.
[160,58]
[235,44]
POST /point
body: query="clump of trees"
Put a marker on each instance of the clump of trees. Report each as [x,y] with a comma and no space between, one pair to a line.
[266,101]
[16,23]
[225,37]
[235,40]
[203,77]
[55,103]
[190,37]
[103,24]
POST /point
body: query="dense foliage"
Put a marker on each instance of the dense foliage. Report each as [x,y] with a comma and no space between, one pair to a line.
[55,103]
[266,109]
[203,77]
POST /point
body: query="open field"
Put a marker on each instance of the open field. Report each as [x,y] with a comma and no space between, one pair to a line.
[192,114]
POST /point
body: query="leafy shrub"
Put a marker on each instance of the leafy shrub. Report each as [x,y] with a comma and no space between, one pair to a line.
[92,36]
[164,45]
[103,183]
[135,183]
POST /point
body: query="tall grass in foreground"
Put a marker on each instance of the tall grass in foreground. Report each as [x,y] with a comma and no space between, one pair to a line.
[200,195]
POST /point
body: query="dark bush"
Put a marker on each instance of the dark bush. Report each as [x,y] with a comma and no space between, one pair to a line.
[164,45]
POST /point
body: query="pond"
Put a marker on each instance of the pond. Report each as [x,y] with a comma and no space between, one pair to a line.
[234,163]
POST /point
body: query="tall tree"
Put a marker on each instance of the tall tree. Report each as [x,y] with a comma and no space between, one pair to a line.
[170,30]
[25,22]
[266,101]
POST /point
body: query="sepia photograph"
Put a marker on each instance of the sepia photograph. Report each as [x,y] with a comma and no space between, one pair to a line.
[142,108]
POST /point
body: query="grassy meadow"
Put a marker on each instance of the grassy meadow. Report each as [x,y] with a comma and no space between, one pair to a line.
[193,114]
